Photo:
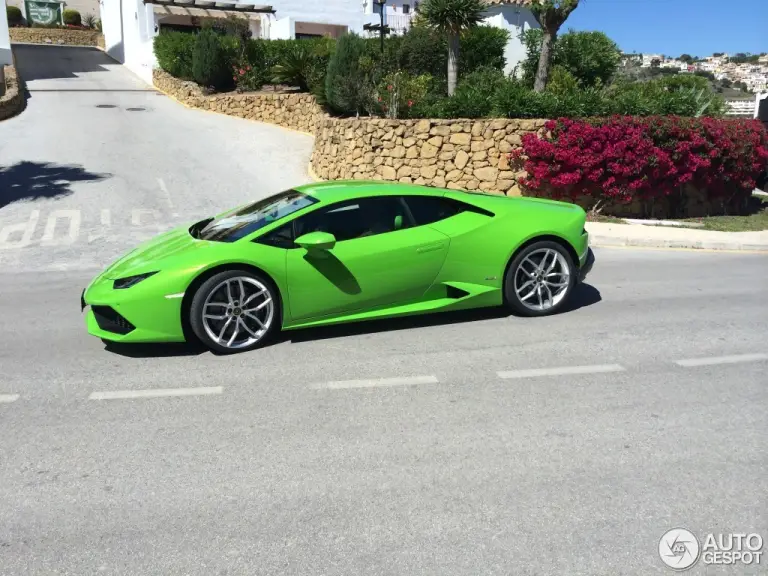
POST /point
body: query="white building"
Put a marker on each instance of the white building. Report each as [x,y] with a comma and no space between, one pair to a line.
[131,25]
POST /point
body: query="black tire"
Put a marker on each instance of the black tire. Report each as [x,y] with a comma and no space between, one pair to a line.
[514,301]
[251,281]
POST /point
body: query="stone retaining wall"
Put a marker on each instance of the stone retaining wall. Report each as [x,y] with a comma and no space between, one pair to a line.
[456,154]
[57,36]
[296,111]
[12,102]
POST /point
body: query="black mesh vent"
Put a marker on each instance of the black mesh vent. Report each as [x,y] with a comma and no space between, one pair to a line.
[109,320]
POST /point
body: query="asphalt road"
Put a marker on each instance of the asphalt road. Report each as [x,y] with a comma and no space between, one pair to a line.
[464,444]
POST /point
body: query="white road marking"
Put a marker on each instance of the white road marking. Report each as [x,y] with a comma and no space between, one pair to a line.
[375,382]
[137,220]
[49,239]
[156,393]
[8,398]
[165,192]
[712,360]
[27,229]
[561,371]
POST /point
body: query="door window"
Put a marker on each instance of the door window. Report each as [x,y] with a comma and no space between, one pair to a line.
[356,218]
[428,209]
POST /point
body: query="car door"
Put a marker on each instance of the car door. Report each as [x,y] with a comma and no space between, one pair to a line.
[380,258]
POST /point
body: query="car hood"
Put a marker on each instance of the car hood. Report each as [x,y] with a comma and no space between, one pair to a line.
[155,254]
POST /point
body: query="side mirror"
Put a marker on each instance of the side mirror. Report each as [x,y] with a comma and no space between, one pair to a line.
[316,241]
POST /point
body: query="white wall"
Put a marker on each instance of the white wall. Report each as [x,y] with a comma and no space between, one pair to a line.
[6,57]
[129,30]
[349,13]
[515,20]
[111,22]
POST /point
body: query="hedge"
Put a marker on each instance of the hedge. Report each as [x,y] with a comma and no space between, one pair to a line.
[622,159]
[14,15]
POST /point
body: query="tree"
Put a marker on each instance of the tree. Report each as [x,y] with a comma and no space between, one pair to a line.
[687,58]
[592,58]
[551,15]
[452,17]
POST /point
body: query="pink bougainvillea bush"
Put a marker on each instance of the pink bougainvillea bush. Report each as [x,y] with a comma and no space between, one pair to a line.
[621,159]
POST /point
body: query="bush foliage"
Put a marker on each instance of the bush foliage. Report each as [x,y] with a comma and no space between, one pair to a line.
[351,74]
[72,17]
[348,89]
[648,159]
[14,15]
[173,51]
[211,61]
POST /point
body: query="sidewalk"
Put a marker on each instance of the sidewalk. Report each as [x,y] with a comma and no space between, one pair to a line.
[602,234]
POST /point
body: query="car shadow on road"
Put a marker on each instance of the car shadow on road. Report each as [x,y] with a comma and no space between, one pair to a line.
[27,180]
[167,350]
[584,295]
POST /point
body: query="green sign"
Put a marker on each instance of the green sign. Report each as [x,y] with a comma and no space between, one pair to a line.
[40,12]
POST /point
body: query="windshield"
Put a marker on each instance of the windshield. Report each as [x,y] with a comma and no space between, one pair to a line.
[246,220]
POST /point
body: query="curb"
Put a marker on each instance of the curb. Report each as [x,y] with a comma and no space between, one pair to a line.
[311,172]
[705,246]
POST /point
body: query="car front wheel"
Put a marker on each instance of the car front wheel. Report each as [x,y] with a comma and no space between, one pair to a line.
[234,311]
[540,279]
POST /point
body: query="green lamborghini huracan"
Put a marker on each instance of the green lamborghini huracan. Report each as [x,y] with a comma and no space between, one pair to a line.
[340,252]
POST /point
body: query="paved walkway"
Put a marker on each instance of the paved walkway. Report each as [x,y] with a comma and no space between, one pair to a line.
[602,234]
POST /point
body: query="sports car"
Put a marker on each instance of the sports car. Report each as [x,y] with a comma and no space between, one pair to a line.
[338,252]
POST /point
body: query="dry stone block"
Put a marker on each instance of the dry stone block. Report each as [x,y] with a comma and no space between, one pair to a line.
[461,139]
[487,174]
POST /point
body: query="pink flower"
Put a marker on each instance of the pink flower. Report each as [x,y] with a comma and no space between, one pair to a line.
[410,103]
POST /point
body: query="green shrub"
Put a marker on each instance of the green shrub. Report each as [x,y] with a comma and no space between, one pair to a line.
[474,94]
[72,17]
[295,66]
[399,92]
[348,84]
[14,15]
[90,21]
[210,64]
[173,51]
[482,47]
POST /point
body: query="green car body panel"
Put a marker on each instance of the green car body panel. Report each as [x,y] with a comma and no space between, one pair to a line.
[455,263]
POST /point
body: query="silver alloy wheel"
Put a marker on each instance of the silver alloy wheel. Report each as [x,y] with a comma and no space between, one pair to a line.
[238,312]
[542,279]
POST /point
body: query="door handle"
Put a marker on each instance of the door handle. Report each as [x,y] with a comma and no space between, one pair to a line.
[429,247]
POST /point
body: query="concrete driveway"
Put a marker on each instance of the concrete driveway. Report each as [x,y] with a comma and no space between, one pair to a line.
[99,161]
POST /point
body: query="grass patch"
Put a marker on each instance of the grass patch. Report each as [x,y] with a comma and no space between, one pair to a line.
[749,223]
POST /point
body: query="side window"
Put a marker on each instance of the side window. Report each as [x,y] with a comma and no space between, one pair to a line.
[429,209]
[281,237]
[356,218]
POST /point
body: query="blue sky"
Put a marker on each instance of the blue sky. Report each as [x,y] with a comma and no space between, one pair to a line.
[675,27]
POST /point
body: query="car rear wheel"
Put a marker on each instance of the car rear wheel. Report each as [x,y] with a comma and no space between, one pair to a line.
[234,311]
[540,279]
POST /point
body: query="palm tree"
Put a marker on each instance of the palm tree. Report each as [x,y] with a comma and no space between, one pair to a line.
[452,17]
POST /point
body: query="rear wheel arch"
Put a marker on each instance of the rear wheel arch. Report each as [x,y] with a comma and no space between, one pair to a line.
[189,293]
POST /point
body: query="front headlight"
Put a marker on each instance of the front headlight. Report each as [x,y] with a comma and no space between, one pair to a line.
[122,283]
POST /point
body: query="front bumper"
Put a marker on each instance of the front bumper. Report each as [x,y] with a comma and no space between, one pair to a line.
[586,267]
[131,315]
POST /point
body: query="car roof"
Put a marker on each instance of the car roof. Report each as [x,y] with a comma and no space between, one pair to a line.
[340,190]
